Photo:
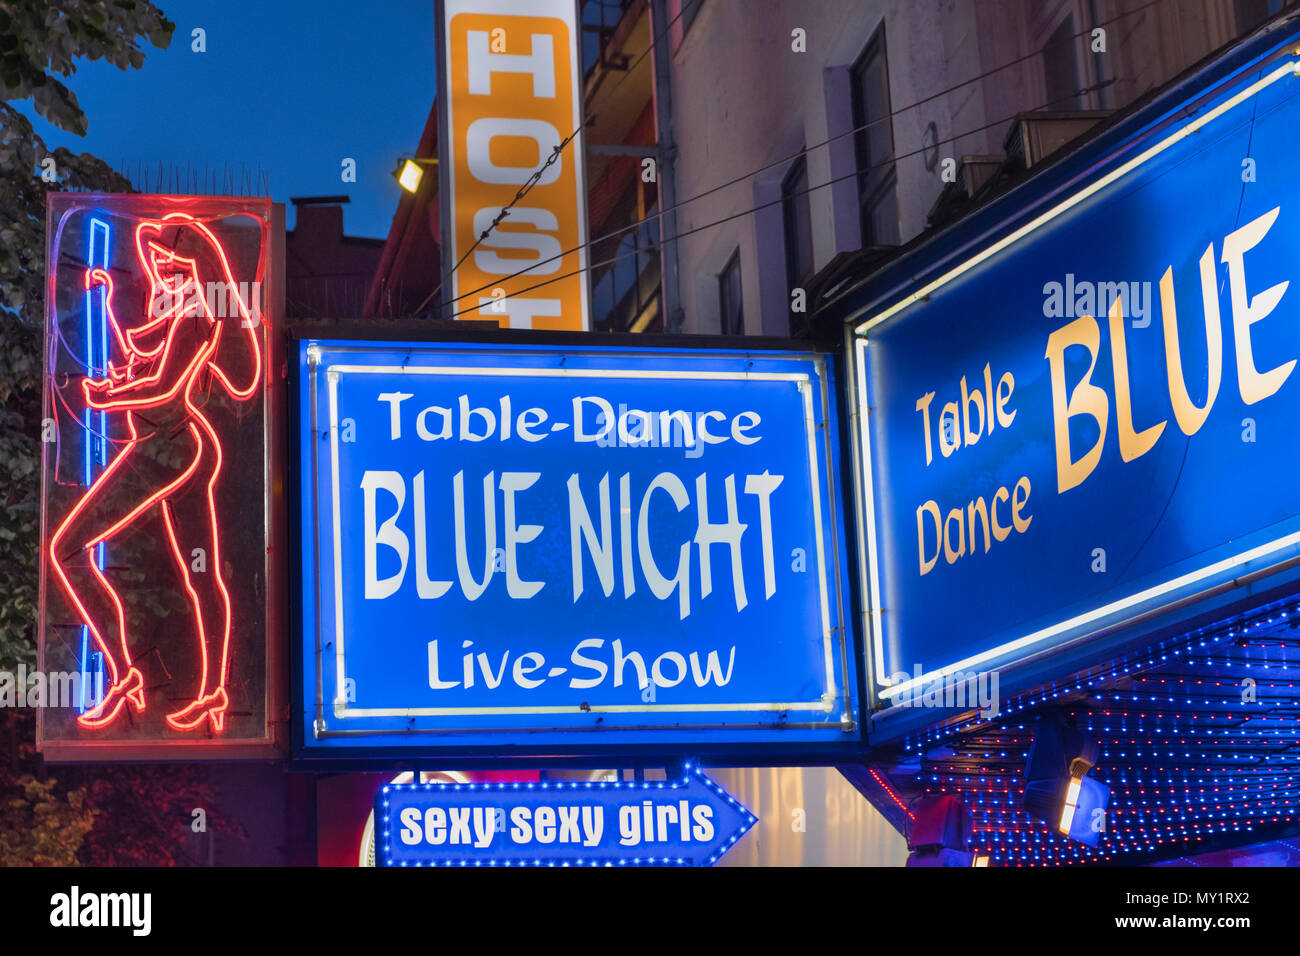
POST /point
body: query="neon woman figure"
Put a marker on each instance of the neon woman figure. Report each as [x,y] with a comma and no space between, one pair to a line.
[170,462]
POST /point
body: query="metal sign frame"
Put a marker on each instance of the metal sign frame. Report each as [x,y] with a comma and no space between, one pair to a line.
[581,795]
[1127,618]
[575,255]
[579,749]
[120,736]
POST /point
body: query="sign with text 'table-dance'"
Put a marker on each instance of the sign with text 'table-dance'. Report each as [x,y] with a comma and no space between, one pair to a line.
[569,549]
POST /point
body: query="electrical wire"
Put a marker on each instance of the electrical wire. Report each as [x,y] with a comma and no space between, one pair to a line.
[635,224]
[856,172]
[555,154]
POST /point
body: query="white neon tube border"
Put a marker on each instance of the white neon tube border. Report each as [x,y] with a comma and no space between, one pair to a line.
[881,677]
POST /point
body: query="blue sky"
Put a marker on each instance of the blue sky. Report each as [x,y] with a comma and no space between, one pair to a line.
[293,85]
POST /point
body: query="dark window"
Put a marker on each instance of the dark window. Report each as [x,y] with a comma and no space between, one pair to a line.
[599,20]
[877,182]
[731,308]
[798,227]
[1061,68]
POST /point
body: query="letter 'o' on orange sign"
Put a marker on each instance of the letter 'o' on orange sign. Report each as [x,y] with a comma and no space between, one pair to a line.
[512,95]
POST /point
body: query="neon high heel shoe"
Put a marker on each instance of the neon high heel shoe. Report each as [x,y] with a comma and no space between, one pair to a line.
[208,707]
[129,688]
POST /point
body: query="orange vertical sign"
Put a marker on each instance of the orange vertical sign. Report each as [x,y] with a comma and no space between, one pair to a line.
[512,95]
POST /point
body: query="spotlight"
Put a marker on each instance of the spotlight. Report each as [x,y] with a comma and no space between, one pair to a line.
[941,827]
[1084,814]
[410,176]
[409,172]
[1058,790]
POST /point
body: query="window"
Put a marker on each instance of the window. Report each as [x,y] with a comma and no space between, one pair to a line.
[599,19]
[797,211]
[731,308]
[874,140]
[625,292]
[1061,67]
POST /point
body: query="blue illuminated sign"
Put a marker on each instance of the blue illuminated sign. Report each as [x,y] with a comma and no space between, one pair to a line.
[568,549]
[690,821]
[1092,415]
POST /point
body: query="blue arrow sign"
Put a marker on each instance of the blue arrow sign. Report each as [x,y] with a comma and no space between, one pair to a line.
[686,822]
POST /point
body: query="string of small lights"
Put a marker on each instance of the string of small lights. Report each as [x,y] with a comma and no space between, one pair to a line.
[1199,740]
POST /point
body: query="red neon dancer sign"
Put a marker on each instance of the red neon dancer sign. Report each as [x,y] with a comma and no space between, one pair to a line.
[154,581]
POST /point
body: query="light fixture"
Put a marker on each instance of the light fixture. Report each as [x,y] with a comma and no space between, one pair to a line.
[1058,790]
[1083,814]
[410,172]
[940,829]
[410,176]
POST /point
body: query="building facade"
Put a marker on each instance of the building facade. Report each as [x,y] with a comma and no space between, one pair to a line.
[812,138]
[783,150]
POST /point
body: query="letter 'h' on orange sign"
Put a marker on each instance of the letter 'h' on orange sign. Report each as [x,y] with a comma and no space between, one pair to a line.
[510,76]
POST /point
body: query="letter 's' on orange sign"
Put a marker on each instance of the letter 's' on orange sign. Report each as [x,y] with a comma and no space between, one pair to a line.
[512,96]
